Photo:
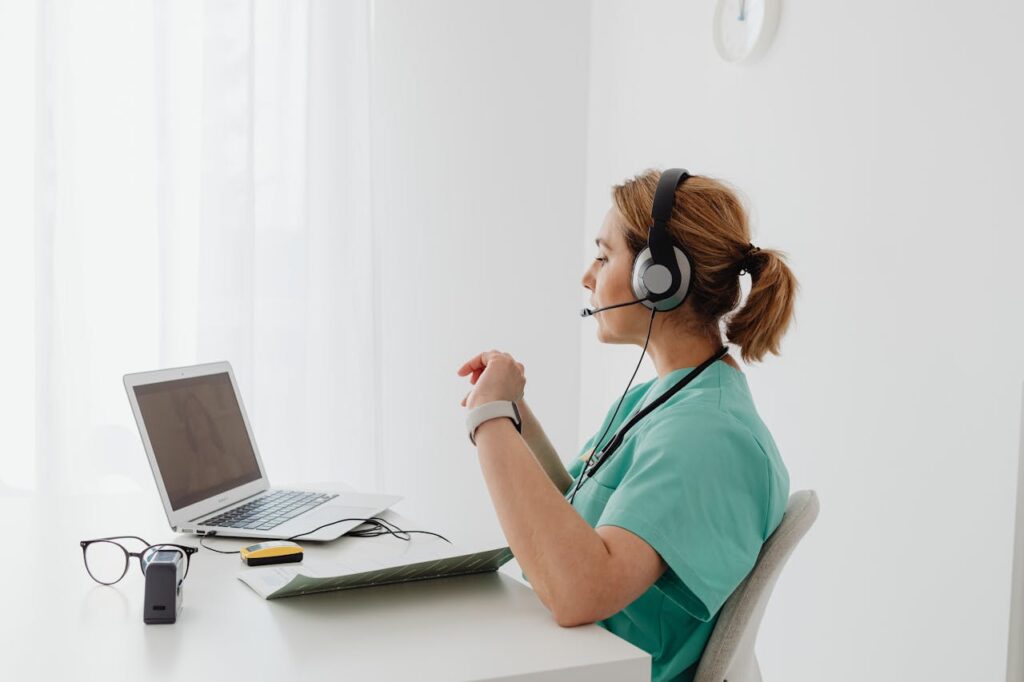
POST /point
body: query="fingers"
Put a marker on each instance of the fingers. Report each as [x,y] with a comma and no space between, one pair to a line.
[469,366]
[478,362]
[475,367]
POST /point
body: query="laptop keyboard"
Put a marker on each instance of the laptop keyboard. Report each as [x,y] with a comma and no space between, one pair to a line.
[269,511]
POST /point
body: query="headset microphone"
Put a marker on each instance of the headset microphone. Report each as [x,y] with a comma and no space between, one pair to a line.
[587,312]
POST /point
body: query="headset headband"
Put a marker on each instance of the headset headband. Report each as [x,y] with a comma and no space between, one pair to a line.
[665,196]
[659,241]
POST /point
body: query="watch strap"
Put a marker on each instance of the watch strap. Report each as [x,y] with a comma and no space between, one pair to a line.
[492,410]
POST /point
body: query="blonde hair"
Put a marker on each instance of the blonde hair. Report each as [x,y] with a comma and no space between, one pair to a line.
[709,220]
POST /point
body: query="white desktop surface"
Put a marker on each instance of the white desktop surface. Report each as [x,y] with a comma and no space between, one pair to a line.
[57,623]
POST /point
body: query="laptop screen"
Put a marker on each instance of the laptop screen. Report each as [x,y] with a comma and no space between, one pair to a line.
[199,439]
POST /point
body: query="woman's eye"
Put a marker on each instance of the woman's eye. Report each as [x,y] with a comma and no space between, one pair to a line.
[602,260]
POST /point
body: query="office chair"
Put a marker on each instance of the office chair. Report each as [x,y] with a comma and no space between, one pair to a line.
[729,654]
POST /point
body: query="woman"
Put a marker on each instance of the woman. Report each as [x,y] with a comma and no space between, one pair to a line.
[652,542]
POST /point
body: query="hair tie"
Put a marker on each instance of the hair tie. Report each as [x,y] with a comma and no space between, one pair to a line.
[747,261]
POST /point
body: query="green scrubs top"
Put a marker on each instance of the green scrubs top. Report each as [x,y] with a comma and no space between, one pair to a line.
[701,481]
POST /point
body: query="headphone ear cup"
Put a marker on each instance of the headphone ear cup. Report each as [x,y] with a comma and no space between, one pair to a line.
[642,261]
[647,276]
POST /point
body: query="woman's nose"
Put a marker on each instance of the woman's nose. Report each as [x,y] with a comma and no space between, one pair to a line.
[588,277]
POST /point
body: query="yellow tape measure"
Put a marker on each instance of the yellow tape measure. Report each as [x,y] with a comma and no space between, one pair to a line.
[272,552]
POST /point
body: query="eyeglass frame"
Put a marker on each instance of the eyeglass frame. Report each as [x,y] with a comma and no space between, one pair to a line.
[187,550]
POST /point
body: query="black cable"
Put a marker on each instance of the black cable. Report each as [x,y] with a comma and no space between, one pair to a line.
[382,526]
[593,452]
[205,546]
[379,527]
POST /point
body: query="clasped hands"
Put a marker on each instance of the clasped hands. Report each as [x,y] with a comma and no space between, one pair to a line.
[495,376]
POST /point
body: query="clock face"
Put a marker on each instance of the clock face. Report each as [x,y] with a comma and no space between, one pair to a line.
[743,28]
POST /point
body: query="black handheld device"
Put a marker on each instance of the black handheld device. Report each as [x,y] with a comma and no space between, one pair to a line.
[164,575]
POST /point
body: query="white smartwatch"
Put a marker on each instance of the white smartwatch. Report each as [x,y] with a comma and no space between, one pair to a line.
[499,408]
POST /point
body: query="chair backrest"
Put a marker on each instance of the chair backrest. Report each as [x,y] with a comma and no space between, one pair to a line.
[729,654]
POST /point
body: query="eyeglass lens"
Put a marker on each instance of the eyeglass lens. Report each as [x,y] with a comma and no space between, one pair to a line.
[106,561]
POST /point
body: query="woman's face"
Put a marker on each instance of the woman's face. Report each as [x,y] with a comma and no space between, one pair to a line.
[608,279]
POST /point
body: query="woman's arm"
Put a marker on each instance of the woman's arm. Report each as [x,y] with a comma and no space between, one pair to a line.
[542,448]
[581,574]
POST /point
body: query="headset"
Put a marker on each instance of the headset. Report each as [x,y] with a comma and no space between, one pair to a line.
[661,281]
[662,270]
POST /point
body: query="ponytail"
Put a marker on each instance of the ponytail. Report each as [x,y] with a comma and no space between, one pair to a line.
[758,327]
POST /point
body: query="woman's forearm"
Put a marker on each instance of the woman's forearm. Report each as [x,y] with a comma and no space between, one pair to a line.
[559,552]
[542,449]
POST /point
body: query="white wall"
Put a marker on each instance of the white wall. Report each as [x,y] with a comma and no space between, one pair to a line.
[879,144]
[17,267]
[479,133]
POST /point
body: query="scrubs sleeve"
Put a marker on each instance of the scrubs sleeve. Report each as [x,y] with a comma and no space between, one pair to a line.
[697,492]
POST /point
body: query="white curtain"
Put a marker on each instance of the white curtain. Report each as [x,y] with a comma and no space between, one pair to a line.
[198,190]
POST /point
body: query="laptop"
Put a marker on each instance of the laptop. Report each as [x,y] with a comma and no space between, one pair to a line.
[208,468]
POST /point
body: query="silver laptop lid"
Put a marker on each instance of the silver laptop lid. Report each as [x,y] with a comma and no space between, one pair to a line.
[197,437]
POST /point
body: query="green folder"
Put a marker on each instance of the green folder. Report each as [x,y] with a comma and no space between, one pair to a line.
[288,580]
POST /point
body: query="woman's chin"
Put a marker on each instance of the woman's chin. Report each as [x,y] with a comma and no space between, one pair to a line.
[604,336]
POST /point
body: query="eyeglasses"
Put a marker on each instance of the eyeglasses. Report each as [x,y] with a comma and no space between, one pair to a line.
[107,561]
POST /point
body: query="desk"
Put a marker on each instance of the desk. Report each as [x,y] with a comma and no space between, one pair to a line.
[56,623]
